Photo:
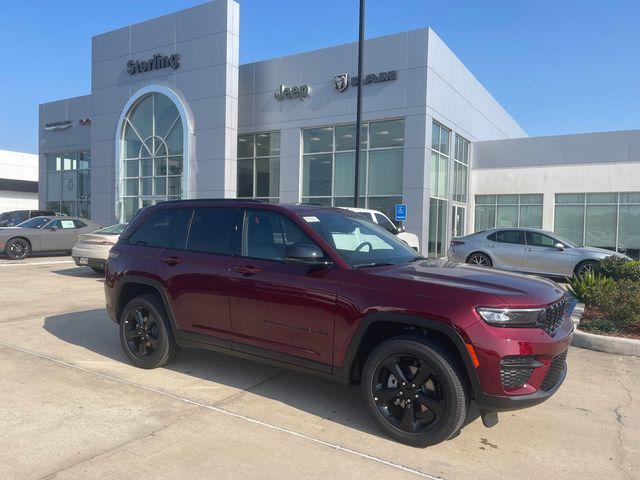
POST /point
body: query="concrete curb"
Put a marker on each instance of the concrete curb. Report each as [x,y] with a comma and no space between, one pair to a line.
[601,343]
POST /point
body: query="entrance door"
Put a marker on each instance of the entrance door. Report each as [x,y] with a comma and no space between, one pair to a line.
[457,221]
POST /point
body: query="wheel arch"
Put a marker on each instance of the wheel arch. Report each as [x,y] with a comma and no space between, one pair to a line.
[381,326]
[483,252]
[134,286]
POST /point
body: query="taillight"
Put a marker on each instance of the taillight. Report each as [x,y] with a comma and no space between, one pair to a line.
[97,242]
[455,243]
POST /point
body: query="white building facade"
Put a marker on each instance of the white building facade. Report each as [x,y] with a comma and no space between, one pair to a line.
[172,114]
[18,181]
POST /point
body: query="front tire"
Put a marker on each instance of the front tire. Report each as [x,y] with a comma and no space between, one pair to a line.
[145,333]
[17,249]
[414,391]
[583,268]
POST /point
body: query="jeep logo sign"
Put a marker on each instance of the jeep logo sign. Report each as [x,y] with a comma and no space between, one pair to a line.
[156,63]
[300,91]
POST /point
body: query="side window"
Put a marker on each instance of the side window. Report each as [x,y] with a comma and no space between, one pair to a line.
[536,239]
[54,224]
[211,230]
[510,236]
[79,224]
[266,234]
[384,222]
[493,237]
[68,224]
[157,230]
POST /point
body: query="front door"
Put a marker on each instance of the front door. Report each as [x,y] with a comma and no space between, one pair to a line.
[279,307]
[59,235]
[542,256]
[457,221]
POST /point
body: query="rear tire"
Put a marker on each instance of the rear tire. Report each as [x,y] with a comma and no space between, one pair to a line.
[145,333]
[17,249]
[479,259]
[415,391]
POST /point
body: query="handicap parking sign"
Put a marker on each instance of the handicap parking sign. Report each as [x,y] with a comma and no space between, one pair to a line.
[401,212]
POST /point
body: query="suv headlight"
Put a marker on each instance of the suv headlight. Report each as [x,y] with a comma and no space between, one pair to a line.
[511,317]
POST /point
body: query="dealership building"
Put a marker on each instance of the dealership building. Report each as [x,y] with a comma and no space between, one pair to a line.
[172,114]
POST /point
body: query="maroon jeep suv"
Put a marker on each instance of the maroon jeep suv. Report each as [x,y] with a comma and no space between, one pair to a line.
[321,289]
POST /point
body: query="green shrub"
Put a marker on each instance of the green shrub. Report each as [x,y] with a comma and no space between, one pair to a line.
[580,286]
[618,302]
[619,268]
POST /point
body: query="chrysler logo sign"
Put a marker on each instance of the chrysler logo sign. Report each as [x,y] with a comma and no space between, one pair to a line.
[55,126]
[341,82]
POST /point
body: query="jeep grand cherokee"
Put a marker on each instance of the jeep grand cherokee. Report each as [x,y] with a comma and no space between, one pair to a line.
[324,290]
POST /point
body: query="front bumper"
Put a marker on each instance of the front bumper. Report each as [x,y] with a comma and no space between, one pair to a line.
[495,345]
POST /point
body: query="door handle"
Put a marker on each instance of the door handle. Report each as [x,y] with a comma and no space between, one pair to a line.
[247,271]
[172,260]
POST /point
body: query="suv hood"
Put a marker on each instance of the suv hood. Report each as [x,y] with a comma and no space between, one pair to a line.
[513,289]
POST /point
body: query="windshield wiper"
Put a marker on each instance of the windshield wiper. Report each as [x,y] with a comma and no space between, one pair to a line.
[373,264]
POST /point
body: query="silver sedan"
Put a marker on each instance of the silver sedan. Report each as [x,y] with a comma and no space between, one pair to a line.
[43,234]
[92,249]
[527,250]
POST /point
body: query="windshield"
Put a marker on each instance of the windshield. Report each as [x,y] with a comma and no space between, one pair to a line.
[112,230]
[360,243]
[35,222]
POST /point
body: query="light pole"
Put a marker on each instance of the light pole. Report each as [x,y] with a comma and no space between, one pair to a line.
[356,186]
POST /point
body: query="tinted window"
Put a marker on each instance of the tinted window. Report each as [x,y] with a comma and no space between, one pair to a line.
[211,230]
[79,224]
[539,240]
[157,230]
[384,222]
[510,236]
[266,234]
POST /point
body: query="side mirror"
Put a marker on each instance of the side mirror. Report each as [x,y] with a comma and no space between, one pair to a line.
[304,254]
[399,229]
[559,246]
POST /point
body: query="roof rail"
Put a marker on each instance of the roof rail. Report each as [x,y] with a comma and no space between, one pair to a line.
[221,200]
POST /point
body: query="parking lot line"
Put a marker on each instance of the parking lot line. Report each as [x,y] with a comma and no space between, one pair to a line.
[15,264]
[231,414]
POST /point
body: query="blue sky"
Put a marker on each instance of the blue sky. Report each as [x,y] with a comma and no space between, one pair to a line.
[563,66]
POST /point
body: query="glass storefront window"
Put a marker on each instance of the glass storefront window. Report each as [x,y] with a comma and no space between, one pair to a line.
[151,154]
[259,166]
[69,183]
[508,210]
[329,165]
[605,220]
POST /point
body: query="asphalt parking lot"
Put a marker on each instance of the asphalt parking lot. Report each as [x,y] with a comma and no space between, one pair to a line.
[71,406]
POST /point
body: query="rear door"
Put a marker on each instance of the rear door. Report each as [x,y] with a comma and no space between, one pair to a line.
[276,307]
[507,247]
[196,272]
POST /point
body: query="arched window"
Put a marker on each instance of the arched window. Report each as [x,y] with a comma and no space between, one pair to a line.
[152,157]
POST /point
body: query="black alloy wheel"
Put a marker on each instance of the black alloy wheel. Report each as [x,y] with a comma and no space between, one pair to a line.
[17,249]
[414,391]
[145,334]
[480,259]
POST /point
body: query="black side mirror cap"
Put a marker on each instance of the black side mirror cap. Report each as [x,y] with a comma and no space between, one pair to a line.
[304,254]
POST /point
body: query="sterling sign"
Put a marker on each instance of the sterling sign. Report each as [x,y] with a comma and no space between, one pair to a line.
[156,63]
[300,91]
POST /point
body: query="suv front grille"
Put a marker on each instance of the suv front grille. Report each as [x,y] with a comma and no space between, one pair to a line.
[554,373]
[551,320]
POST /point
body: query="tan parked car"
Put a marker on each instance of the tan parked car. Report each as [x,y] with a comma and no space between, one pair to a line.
[43,234]
[92,249]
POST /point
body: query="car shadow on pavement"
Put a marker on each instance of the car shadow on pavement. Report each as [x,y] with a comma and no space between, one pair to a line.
[81,272]
[333,401]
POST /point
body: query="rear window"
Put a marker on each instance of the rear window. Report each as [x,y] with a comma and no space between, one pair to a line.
[158,229]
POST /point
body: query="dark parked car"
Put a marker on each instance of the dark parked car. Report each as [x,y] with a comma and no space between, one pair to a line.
[325,290]
[13,218]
